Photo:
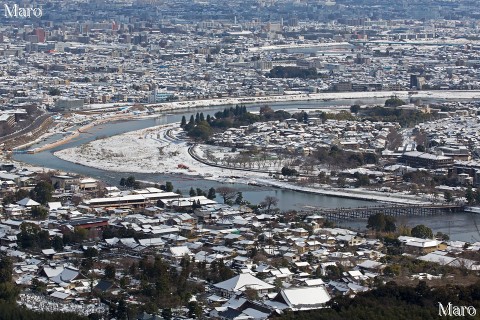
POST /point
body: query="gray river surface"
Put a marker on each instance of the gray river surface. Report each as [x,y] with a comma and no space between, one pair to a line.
[459,226]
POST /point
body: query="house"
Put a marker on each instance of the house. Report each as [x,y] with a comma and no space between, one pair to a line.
[63,181]
[88,184]
[350,240]
[27,202]
[240,308]
[371,265]
[426,160]
[63,276]
[177,253]
[300,232]
[290,257]
[105,286]
[240,283]
[421,246]
[60,296]
[303,298]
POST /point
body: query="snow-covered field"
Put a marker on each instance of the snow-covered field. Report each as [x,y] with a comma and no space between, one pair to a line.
[152,150]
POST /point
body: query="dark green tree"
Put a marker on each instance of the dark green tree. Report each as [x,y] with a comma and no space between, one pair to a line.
[183,123]
[6,269]
[448,196]
[305,117]
[122,310]
[211,194]
[381,222]
[289,172]
[469,196]
[355,108]
[202,131]
[39,212]
[194,309]
[42,192]
[57,243]
[90,252]
[420,148]
[422,231]
[239,198]
[394,101]
[168,186]
[110,271]
[167,314]
[131,182]
[390,225]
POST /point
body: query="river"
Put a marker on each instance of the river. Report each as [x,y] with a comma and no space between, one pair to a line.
[460,227]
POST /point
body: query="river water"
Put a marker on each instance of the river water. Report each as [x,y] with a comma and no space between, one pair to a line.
[460,226]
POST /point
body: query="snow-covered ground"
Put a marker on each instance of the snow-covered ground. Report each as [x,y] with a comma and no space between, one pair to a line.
[152,150]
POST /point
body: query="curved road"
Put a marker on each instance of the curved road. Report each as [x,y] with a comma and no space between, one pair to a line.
[191,152]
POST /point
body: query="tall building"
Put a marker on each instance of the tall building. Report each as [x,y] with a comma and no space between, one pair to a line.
[416,81]
[41,35]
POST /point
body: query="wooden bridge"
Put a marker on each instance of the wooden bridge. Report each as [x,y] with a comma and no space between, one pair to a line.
[338,214]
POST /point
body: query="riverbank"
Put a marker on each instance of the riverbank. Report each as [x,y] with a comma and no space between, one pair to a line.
[325,96]
[78,131]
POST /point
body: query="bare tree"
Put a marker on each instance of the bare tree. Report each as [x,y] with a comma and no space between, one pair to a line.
[227,193]
[421,138]
[268,202]
[394,140]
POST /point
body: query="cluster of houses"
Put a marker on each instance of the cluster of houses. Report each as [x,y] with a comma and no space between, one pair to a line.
[294,136]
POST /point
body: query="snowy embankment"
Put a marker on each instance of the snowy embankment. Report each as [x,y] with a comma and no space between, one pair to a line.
[440,94]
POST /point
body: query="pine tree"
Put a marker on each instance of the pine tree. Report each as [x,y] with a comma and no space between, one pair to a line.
[211,194]
[469,196]
[184,122]
[202,117]
[305,117]
[192,192]
[239,199]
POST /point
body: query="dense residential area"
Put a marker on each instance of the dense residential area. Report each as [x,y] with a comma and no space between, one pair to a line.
[73,244]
